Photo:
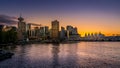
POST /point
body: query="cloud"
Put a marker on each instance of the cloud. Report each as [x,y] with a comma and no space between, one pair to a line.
[7,20]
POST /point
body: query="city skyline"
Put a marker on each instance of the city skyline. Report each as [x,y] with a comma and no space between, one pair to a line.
[88,16]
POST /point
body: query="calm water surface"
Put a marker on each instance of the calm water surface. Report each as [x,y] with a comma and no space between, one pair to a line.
[73,55]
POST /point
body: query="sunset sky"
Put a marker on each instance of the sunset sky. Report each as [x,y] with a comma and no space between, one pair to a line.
[88,15]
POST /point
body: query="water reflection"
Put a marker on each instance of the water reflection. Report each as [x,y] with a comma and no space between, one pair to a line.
[74,55]
[21,61]
[68,54]
[55,53]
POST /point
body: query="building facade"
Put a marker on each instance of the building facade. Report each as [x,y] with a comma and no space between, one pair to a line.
[55,30]
[21,28]
[72,33]
[62,34]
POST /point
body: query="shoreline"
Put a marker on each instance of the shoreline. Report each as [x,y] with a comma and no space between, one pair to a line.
[43,42]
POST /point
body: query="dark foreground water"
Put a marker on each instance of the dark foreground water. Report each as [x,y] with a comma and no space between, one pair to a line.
[73,55]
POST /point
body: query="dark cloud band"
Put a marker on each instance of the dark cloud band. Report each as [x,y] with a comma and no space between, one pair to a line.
[9,20]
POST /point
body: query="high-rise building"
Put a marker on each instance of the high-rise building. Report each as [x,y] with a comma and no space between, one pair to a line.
[47,32]
[72,33]
[28,26]
[62,34]
[21,28]
[44,32]
[55,30]
[69,29]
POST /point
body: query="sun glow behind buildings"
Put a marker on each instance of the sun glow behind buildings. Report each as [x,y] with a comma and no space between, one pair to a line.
[89,23]
[89,16]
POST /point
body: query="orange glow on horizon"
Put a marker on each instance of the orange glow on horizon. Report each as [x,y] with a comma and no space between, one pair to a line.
[88,24]
[106,34]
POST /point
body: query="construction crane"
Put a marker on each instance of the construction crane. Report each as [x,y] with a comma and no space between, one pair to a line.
[34,24]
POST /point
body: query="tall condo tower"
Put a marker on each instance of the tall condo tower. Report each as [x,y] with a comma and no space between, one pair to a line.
[55,30]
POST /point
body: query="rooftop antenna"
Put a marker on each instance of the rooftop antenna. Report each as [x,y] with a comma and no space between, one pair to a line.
[20,14]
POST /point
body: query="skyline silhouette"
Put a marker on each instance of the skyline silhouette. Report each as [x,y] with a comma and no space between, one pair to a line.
[89,16]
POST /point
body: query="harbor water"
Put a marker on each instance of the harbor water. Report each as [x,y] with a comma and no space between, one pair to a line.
[69,55]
